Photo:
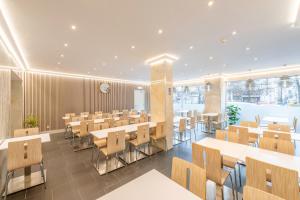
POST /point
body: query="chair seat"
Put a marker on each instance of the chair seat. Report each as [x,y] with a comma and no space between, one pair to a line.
[154,137]
[83,135]
[100,143]
[225,174]
[104,151]
[229,161]
[75,131]
[135,142]
[252,140]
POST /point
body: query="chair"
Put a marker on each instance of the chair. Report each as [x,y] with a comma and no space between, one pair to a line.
[232,137]
[200,120]
[77,118]
[221,134]
[251,193]
[160,134]
[182,171]
[219,122]
[98,113]
[212,162]
[23,154]
[181,130]
[249,124]
[243,135]
[267,143]
[279,127]
[82,133]
[295,122]
[285,146]
[277,135]
[143,138]
[191,126]
[115,145]
[26,132]
[109,121]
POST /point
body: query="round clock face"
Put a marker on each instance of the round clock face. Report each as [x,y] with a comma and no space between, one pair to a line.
[104,87]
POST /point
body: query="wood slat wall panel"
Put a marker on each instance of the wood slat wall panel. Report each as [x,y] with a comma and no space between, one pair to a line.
[5,102]
[50,97]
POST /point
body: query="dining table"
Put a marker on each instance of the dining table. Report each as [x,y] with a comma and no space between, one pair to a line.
[276,120]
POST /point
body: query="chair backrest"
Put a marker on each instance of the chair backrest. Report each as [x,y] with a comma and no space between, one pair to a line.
[193,122]
[221,134]
[232,128]
[24,153]
[277,135]
[160,130]
[243,135]
[143,134]
[98,113]
[213,165]
[104,125]
[109,121]
[182,125]
[285,183]
[233,137]
[251,193]
[285,146]
[267,143]
[182,171]
[26,132]
[279,127]
[198,155]
[118,123]
[256,174]
[249,124]
[90,126]
[284,136]
[83,130]
[115,142]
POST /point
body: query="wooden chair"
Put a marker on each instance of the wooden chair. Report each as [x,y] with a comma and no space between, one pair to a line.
[181,130]
[26,132]
[98,113]
[232,137]
[143,138]
[221,134]
[249,124]
[82,133]
[160,134]
[115,145]
[251,193]
[267,143]
[23,154]
[182,171]
[109,121]
[279,127]
[212,162]
[285,146]
[192,126]
[243,135]
[77,118]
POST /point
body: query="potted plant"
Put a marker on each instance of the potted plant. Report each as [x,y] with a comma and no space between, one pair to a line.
[233,114]
[31,121]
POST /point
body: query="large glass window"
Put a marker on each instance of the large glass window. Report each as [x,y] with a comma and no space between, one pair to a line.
[188,97]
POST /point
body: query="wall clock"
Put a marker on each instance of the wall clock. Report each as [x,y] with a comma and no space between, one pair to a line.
[104,88]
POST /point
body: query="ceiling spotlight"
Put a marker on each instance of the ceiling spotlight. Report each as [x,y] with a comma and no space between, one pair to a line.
[58,63]
[73,27]
[210,3]
[131,69]
[234,33]
[255,59]
[247,48]
[191,47]
[116,57]
[160,31]
[66,44]
[211,58]
[186,64]
[94,68]
[132,47]
[88,72]
[62,55]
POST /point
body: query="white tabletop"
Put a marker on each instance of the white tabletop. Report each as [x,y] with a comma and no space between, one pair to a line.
[177,119]
[150,186]
[77,123]
[276,119]
[210,114]
[45,137]
[240,152]
[128,129]
[84,116]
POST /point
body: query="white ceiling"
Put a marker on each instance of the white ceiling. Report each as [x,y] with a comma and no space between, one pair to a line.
[108,28]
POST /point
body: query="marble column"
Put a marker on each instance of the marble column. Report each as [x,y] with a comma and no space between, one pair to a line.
[161,93]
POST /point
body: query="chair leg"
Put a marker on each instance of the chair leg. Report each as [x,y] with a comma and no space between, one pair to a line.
[240,177]
[106,165]
[93,153]
[232,186]
[43,173]
[6,184]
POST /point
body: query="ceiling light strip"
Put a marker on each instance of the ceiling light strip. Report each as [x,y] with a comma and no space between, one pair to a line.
[295,15]
[17,51]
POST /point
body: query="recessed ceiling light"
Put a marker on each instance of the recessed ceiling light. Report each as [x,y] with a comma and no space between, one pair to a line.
[211,58]
[58,63]
[247,48]
[255,59]
[116,57]
[160,31]
[66,44]
[88,72]
[234,33]
[191,47]
[132,47]
[186,64]
[210,3]
[131,69]
[62,55]
[73,27]
[104,64]
[94,68]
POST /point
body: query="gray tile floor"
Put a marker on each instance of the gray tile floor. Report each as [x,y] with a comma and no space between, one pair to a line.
[70,175]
